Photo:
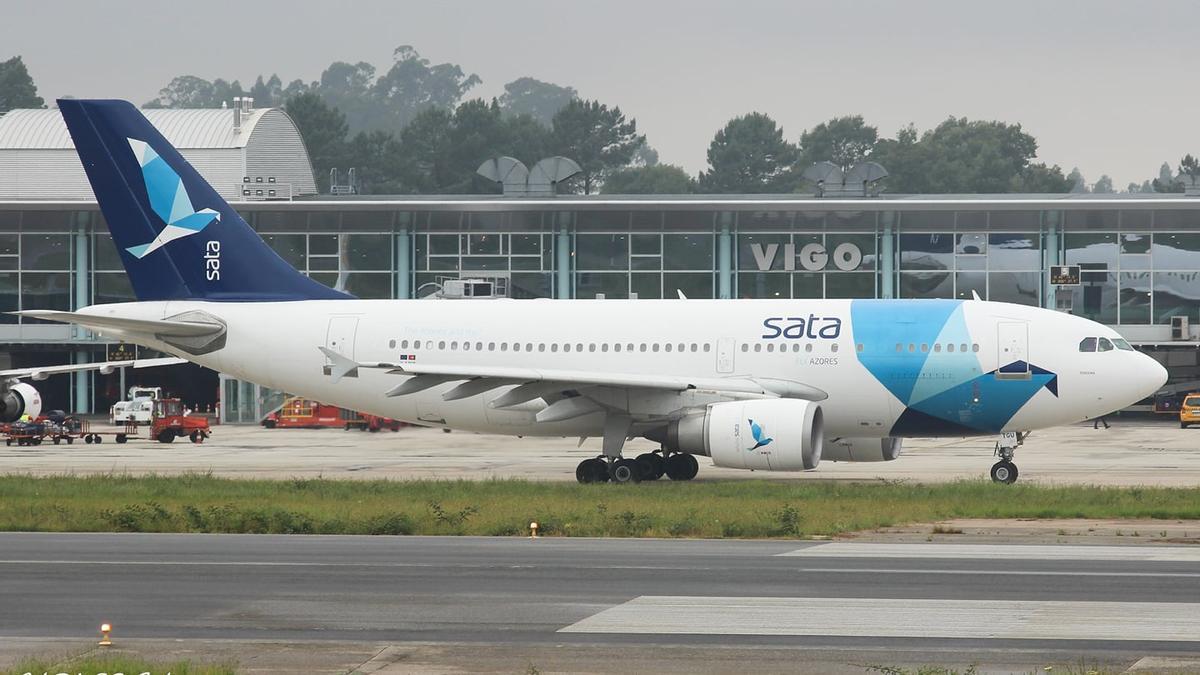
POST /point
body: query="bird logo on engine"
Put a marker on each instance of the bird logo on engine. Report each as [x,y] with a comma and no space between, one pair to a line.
[760,437]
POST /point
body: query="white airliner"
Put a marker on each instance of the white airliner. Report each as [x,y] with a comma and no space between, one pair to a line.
[775,385]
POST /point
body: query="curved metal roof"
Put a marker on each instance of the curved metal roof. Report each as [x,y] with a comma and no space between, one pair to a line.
[186,129]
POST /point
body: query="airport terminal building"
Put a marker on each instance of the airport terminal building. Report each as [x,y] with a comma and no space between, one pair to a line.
[1138,255]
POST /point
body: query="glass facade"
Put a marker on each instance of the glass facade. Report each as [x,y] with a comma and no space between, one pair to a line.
[1138,259]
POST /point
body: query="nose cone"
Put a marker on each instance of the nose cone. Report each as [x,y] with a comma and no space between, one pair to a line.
[1150,376]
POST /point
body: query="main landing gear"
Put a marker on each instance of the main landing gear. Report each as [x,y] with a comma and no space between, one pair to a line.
[647,466]
[1005,471]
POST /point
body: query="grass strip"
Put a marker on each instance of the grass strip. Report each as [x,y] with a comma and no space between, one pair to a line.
[711,509]
[93,664]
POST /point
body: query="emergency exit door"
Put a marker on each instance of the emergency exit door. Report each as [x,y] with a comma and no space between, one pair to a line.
[724,355]
[1012,346]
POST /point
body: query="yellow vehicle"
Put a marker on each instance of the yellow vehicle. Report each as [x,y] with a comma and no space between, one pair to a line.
[1189,412]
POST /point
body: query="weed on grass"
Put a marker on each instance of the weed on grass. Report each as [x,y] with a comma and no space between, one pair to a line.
[742,508]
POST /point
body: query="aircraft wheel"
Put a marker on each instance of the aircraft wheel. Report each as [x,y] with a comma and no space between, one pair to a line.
[625,471]
[196,437]
[270,424]
[592,471]
[121,438]
[1183,425]
[1004,472]
[57,440]
[70,440]
[652,465]
[682,466]
[166,436]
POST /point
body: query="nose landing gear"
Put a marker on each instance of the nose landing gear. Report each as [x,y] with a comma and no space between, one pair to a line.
[1005,471]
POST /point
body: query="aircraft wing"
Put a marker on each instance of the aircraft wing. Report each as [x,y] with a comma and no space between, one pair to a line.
[604,388]
[41,373]
[101,323]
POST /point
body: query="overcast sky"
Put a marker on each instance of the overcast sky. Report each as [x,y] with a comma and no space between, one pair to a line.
[1108,86]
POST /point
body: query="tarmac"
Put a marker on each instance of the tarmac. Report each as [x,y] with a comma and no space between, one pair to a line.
[316,604]
[1134,451]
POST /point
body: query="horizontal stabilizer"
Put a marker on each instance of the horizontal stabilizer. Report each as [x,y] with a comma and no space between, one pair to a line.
[102,323]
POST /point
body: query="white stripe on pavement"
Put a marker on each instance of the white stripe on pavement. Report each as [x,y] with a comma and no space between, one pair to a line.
[1000,552]
[904,618]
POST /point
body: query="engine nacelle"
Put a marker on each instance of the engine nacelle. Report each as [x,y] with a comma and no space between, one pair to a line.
[862,449]
[19,399]
[762,434]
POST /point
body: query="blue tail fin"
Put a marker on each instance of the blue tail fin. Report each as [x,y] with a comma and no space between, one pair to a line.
[177,237]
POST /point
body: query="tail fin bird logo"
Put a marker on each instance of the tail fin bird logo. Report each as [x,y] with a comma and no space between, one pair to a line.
[169,200]
[760,438]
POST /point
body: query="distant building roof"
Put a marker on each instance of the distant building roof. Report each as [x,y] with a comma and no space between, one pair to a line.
[38,161]
[184,128]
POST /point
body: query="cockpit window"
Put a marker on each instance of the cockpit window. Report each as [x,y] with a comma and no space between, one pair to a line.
[1122,345]
[1087,345]
[1105,345]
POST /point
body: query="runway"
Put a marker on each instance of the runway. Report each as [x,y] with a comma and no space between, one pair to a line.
[843,602]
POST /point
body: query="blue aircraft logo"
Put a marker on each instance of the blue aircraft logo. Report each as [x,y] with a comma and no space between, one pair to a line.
[169,200]
[760,438]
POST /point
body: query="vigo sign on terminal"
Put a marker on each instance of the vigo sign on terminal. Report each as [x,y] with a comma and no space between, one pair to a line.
[813,257]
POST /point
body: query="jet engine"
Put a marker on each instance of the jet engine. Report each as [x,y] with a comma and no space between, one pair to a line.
[17,400]
[862,449]
[764,434]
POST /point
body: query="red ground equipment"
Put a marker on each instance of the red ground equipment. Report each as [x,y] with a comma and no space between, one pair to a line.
[304,413]
[169,422]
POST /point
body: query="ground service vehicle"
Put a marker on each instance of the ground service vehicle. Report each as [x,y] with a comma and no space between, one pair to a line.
[138,408]
[1189,411]
[170,422]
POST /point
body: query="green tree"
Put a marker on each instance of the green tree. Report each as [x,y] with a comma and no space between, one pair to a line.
[600,139]
[323,129]
[268,93]
[1166,181]
[845,141]
[966,156]
[375,157]
[540,100]
[658,179]
[413,84]
[347,87]
[424,146]
[750,155]
[1078,183]
[1104,186]
[189,91]
[17,89]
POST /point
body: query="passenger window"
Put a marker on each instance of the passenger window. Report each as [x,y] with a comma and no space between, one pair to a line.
[503,346]
[528,346]
[668,346]
[442,344]
[654,347]
[833,347]
[808,347]
[491,346]
[579,347]
[950,347]
[391,344]
[592,347]
[758,347]
[1087,344]
[466,346]
[924,347]
[975,347]
[682,346]
[1105,345]
[516,346]
[899,347]
[478,346]
[604,347]
[617,347]
[567,347]
[553,347]
[642,347]
[771,347]
[962,347]
[745,347]
[706,348]
[404,344]
[911,348]
[937,347]
[541,346]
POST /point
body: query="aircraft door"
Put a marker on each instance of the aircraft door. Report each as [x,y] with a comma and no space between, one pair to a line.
[340,335]
[1012,346]
[725,355]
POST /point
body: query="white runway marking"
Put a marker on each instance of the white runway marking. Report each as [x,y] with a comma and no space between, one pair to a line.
[871,617]
[1001,552]
[1013,573]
